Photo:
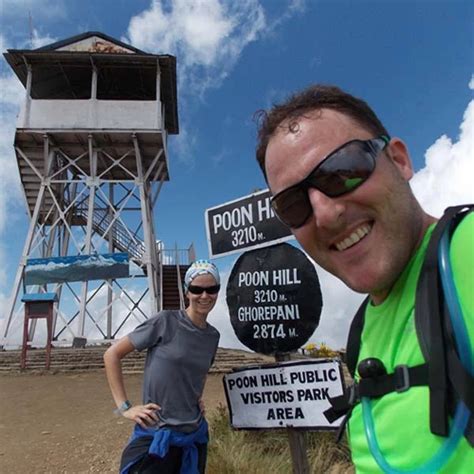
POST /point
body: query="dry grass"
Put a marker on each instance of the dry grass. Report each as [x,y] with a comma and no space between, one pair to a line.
[263,452]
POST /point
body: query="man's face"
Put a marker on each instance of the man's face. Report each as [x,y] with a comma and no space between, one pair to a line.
[364,237]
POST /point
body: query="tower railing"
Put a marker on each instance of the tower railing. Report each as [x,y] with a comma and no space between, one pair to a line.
[177,256]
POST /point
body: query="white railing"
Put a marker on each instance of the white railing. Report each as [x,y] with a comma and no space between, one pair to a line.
[176,256]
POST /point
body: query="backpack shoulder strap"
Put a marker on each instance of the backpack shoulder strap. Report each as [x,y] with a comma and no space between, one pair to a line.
[431,322]
[355,334]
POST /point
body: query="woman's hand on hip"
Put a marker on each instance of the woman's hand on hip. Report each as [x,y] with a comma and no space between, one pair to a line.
[144,415]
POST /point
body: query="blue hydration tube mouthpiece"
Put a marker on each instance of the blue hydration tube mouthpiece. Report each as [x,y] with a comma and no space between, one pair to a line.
[374,367]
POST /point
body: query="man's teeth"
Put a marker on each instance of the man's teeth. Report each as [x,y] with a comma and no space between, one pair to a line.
[357,235]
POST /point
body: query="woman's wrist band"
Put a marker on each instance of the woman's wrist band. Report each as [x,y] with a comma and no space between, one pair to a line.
[126,405]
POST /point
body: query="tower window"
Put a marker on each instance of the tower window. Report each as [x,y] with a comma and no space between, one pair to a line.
[120,82]
[60,81]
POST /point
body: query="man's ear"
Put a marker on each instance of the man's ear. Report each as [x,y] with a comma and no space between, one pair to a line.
[397,151]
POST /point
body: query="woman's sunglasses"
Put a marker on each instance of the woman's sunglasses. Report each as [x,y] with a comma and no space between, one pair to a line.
[342,171]
[199,290]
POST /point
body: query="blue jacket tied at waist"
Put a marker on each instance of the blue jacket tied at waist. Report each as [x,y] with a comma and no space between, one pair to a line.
[163,438]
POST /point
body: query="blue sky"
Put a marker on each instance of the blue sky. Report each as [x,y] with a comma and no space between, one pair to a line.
[411,60]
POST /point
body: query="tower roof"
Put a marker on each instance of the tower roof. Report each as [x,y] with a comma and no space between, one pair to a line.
[90,41]
[99,49]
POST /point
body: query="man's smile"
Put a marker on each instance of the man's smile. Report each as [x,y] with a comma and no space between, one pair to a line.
[355,237]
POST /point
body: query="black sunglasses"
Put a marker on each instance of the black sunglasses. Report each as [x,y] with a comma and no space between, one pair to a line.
[199,290]
[342,171]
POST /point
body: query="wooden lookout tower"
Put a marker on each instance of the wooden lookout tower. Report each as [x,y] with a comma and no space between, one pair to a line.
[91,146]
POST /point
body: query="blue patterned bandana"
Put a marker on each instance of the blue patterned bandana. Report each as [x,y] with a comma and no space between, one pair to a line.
[200,267]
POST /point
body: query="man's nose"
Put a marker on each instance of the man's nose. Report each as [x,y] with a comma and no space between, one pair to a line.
[327,211]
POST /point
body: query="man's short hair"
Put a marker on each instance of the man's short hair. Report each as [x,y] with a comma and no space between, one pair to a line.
[315,97]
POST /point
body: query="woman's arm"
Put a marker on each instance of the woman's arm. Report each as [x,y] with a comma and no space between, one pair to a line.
[142,414]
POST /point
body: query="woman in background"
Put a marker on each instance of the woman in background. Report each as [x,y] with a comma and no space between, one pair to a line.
[171,433]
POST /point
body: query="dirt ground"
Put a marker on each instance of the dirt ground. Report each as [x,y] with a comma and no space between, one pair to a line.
[63,423]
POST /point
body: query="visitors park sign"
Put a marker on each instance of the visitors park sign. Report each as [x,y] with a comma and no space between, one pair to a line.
[243,224]
[292,394]
[274,299]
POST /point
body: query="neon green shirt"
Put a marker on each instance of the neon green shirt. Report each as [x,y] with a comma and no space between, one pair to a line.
[402,419]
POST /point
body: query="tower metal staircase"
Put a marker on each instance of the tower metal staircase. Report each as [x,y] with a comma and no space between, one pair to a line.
[123,238]
[173,262]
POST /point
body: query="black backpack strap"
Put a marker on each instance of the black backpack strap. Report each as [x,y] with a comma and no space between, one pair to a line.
[343,404]
[400,380]
[355,334]
[433,327]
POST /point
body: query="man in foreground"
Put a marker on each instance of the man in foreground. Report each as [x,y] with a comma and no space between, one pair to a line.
[341,184]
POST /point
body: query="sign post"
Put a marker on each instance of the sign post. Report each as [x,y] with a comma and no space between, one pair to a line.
[275,303]
[296,439]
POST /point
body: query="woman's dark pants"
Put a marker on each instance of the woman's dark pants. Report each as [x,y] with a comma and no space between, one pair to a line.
[170,464]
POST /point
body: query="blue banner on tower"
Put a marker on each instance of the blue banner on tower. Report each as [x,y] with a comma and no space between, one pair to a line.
[39,271]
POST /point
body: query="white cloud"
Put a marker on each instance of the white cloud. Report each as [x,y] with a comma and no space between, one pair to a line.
[37,41]
[446,179]
[12,95]
[207,36]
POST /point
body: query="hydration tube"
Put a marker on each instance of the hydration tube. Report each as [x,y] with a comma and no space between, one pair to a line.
[461,415]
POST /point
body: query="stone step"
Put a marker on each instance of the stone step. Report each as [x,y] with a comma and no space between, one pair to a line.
[91,358]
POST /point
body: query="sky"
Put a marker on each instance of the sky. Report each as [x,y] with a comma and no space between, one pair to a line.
[412,61]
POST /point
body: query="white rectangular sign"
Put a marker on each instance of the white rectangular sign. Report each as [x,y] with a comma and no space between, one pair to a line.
[290,394]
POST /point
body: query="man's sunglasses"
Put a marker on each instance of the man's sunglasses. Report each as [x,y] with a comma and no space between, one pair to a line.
[342,171]
[199,290]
